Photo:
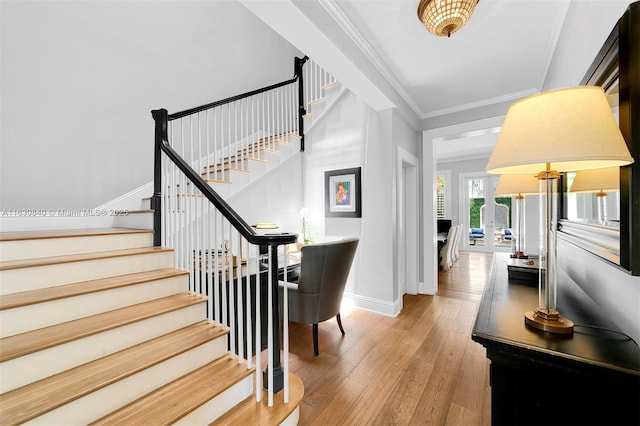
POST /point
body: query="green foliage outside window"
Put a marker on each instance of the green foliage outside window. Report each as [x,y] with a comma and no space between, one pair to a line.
[474,212]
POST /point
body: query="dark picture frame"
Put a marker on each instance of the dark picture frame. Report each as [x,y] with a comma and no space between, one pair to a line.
[343,193]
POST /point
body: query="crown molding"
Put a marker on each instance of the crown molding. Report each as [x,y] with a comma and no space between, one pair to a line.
[349,29]
[345,24]
[553,42]
[509,97]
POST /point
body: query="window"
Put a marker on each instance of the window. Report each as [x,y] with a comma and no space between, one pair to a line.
[441,197]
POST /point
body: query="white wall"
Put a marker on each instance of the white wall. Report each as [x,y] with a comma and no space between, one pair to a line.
[353,135]
[79,80]
[342,140]
[274,198]
[581,40]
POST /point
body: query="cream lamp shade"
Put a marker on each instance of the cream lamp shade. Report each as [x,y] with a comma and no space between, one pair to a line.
[517,185]
[600,180]
[562,130]
[557,131]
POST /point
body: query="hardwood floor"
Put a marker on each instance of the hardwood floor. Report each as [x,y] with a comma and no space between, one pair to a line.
[420,368]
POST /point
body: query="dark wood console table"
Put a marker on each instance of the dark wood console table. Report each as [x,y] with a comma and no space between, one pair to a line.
[590,377]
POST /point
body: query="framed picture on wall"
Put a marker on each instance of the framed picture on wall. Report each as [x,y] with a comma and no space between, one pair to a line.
[342,193]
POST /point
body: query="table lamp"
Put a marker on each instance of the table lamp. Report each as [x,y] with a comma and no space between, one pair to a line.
[518,186]
[599,181]
[556,131]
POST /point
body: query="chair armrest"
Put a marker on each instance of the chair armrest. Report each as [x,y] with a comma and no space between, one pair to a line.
[290,285]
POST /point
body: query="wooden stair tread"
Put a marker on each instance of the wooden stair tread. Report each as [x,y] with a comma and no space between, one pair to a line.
[217,181]
[173,401]
[327,86]
[62,233]
[25,298]
[242,157]
[189,195]
[139,211]
[32,341]
[35,399]
[250,412]
[227,169]
[28,263]
[317,101]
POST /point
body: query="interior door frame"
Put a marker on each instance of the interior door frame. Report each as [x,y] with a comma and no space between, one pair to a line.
[407,216]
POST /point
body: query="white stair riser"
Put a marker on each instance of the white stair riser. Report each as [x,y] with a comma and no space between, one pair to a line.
[236,176]
[139,220]
[222,189]
[285,149]
[257,167]
[25,279]
[273,158]
[31,317]
[317,107]
[100,403]
[38,365]
[293,418]
[45,247]
[331,89]
[219,405]
[308,120]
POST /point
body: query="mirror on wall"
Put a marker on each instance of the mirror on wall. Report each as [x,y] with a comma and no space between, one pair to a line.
[602,220]
[593,196]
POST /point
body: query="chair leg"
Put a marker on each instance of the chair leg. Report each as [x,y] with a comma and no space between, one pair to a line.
[340,323]
[315,339]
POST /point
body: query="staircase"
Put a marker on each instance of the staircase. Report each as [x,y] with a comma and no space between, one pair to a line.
[113,325]
[97,326]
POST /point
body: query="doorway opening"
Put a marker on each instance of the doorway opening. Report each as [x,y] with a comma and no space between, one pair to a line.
[487,218]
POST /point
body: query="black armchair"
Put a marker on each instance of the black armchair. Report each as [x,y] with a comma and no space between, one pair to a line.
[317,295]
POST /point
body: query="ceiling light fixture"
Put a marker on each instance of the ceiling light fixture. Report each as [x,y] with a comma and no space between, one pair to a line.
[445,17]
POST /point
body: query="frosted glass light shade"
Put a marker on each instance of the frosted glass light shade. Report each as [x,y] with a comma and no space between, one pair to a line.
[445,17]
[600,180]
[517,185]
[568,129]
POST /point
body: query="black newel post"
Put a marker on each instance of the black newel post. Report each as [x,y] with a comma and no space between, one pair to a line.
[161,118]
[278,372]
[299,62]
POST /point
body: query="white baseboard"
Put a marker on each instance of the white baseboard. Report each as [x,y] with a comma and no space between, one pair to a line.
[382,307]
[132,200]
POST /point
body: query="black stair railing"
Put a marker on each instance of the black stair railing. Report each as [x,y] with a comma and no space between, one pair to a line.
[184,202]
[226,258]
[272,241]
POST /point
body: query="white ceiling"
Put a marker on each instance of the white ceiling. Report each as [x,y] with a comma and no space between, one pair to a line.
[503,54]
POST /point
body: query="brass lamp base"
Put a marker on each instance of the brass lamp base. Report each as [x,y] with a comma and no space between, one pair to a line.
[549,321]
